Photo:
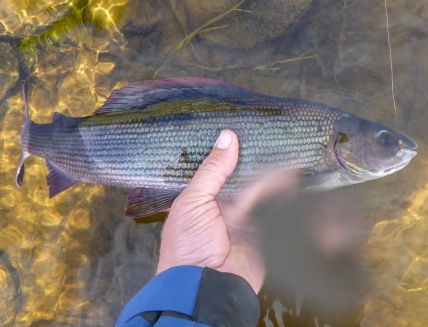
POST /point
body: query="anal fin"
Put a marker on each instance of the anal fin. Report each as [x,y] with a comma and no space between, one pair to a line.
[58,180]
[144,202]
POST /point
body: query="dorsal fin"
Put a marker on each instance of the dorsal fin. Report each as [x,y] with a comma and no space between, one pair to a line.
[140,95]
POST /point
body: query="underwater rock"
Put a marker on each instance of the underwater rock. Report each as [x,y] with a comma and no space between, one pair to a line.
[254,22]
[151,30]
[9,290]
[23,18]
[9,70]
[66,75]
[149,33]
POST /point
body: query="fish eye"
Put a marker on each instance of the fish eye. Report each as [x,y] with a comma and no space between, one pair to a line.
[385,137]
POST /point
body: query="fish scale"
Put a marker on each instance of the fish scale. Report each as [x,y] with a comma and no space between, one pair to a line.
[152,136]
[146,148]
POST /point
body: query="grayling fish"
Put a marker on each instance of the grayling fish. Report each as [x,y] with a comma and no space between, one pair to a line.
[151,137]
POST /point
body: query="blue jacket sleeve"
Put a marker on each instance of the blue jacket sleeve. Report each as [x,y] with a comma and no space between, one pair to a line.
[192,296]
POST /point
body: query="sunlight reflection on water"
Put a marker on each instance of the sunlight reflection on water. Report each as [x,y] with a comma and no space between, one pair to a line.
[76,259]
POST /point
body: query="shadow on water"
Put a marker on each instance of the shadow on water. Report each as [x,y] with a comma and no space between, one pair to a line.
[76,260]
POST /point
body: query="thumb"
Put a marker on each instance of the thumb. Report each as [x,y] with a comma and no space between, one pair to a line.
[215,169]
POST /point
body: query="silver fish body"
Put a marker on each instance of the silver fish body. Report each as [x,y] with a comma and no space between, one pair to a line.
[157,146]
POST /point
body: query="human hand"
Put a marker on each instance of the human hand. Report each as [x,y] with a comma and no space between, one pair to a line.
[203,232]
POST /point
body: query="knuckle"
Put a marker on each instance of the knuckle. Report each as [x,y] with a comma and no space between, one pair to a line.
[213,164]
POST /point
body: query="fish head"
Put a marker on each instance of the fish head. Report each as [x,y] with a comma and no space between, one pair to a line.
[367,150]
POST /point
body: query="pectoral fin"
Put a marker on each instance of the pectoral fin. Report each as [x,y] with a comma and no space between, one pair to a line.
[319,181]
[144,202]
[58,180]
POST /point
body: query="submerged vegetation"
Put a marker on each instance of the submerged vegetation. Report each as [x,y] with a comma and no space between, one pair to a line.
[102,14]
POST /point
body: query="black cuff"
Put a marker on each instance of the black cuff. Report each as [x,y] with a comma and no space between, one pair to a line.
[225,300]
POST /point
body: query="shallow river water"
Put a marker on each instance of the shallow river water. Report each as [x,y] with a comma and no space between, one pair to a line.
[75,260]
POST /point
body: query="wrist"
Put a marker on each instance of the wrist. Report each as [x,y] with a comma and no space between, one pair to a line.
[200,295]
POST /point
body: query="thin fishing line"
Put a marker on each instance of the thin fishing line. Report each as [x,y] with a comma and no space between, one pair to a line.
[390,59]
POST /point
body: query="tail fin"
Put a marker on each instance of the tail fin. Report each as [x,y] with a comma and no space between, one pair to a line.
[25,131]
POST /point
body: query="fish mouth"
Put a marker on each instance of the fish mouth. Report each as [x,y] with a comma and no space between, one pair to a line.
[409,144]
[395,168]
[407,155]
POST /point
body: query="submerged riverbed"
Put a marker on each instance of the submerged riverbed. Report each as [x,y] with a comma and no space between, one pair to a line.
[76,260]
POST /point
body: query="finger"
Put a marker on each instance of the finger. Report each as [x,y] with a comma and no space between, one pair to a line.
[270,185]
[215,169]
